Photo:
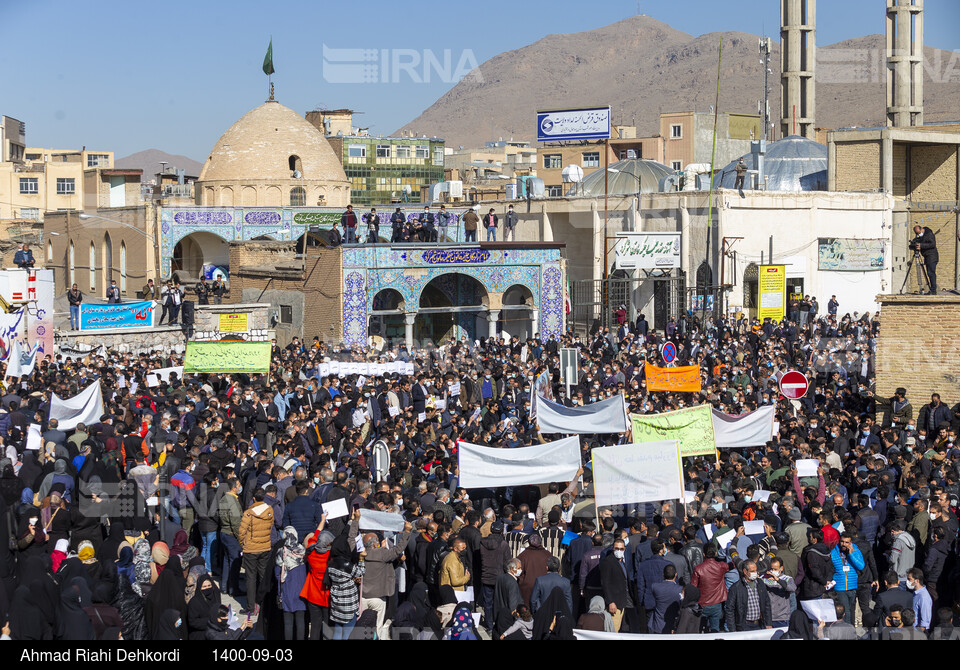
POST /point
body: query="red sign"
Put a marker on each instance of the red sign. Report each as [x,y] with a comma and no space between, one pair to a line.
[793,385]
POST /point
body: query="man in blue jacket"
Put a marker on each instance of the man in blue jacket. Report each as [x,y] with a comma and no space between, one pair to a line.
[847,560]
[650,572]
[302,513]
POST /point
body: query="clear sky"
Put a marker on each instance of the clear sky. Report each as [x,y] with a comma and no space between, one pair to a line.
[128,76]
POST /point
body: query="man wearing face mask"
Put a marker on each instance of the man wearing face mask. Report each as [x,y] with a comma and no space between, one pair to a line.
[748,602]
[616,588]
[506,597]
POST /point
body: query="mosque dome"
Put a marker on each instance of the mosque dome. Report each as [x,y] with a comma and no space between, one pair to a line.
[623,178]
[791,164]
[272,157]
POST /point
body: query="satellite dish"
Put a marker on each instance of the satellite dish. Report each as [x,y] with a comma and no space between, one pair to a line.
[296,174]
[381,459]
[572,174]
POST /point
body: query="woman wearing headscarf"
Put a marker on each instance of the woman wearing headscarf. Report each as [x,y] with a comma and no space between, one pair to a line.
[29,622]
[29,470]
[59,553]
[689,619]
[167,593]
[74,623]
[553,607]
[70,568]
[194,574]
[55,516]
[125,569]
[461,625]
[110,548]
[10,485]
[160,553]
[31,537]
[800,627]
[88,556]
[168,628]
[291,576]
[317,595]
[597,617]
[561,628]
[180,543]
[204,604]
[102,614]
[142,569]
[129,604]
[424,615]
[346,568]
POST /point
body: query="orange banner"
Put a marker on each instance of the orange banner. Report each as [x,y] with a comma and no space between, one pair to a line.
[685,379]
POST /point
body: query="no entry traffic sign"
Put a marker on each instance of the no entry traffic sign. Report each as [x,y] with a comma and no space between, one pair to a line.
[669,352]
[793,385]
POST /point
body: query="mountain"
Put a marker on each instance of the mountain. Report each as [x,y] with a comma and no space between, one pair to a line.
[149,162]
[642,67]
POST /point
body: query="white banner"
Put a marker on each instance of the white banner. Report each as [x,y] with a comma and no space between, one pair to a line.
[373,520]
[765,634]
[754,429]
[163,374]
[607,416]
[86,407]
[19,362]
[344,368]
[636,473]
[482,467]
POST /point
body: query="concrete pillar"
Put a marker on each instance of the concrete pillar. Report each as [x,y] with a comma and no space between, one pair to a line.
[904,63]
[534,322]
[886,160]
[408,320]
[798,53]
[493,316]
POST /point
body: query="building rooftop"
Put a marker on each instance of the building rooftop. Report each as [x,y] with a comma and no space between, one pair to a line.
[791,164]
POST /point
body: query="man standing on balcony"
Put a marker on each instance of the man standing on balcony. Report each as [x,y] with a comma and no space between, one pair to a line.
[113,293]
[490,222]
[218,289]
[349,221]
[510,222]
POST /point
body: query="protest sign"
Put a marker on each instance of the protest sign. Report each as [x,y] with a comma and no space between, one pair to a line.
[227,356]
[692,426]
[635,473]
[680,379]
[753,429]
[482,467]
[606,416]
[86,407]
[116,315]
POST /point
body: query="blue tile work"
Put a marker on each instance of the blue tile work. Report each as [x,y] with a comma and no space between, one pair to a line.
[354,309]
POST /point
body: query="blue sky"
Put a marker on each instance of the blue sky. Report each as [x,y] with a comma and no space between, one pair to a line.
[128,76]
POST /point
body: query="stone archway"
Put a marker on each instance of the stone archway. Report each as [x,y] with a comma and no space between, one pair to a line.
[517,312]
[201,252]
[449,308]
[387,316]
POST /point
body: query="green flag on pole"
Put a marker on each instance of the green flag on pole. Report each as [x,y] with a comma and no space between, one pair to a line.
[268,60]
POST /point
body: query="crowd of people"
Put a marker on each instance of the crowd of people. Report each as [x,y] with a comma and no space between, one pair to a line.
[140,526]
[422,227]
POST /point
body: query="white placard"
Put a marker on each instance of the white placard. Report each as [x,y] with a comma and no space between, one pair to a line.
[760,496]
[689,496]
[153,502]
[808,467]
[393,411]
[726,538]
[753,528]
[421,417]
[152,381]
[482,467]
[465,596]
[34,437]
[635,473]
[455,389]
[334,509]
[441,405]
[358,541]
[820,610]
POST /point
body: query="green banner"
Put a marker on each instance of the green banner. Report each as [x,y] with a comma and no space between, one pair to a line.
[227,356]
[692,426]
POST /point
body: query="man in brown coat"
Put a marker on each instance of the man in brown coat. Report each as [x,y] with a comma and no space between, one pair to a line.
[470,222]
[255,541]
[380,580]
[533,560]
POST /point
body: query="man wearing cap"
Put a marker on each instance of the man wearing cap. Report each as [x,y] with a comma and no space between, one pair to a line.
[797,530]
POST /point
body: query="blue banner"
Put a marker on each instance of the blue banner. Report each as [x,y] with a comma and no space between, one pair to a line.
[119,315]
[573,124]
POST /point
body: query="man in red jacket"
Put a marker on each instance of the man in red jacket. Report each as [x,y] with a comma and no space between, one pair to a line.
[709,578]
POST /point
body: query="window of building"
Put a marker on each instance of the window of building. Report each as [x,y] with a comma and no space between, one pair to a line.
[423,151]
[286,314]
[383,151]
[32,157]
[403,151]
[554,191]
[29,185]
[98,160]
[49,250]
[298,197]
[591,159]
[65,186]
[551,161]
[32,213]
[438,155]
[676,166]
[676,131]
[293,162]
[93,267]
[356,150]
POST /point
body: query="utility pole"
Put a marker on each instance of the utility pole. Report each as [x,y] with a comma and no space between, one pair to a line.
[765,103]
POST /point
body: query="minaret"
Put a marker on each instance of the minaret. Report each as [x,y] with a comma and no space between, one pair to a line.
[798,65]
[904,63]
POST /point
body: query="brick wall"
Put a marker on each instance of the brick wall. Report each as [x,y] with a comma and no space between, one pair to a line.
[858,166]
[900,170]
[933,172]
[919,347]
[323,299]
